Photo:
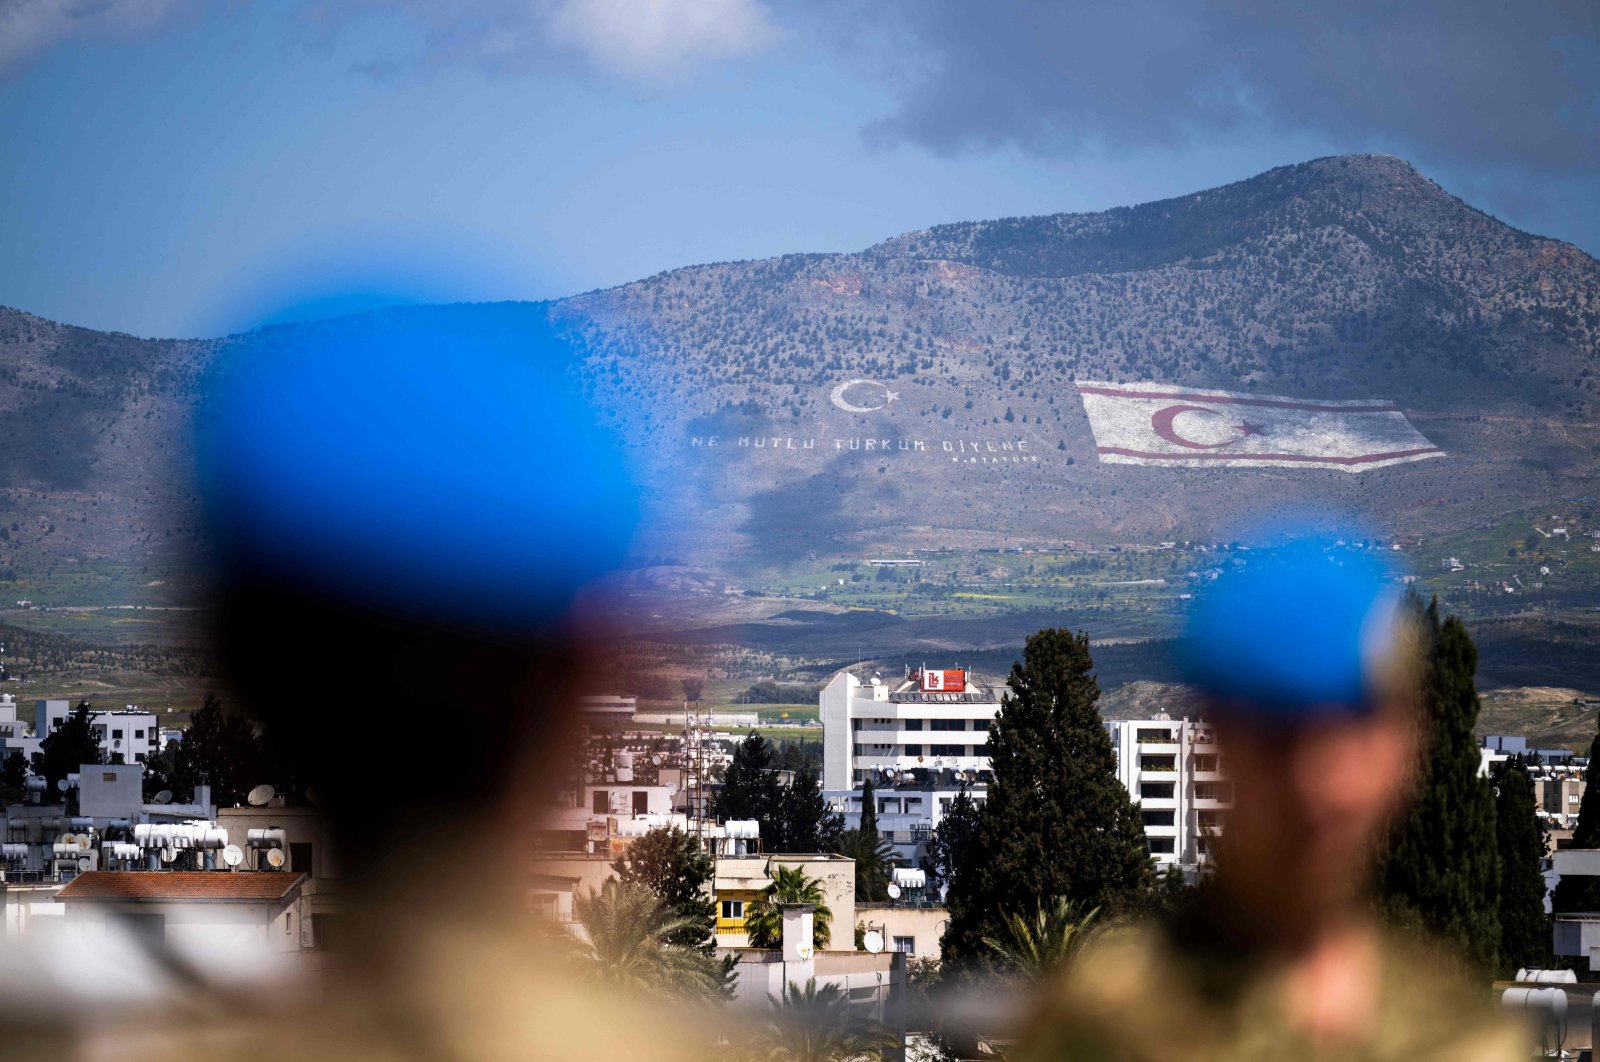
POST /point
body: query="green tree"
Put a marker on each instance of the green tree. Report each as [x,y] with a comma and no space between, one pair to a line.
[219,749]
[764,918]
[1524,927]
[1056,823]
[629,947]
[750,789]
[866,846]
[673,866]
[809,1023]
[874,863]
[1583,893]
[803,821]
[1442,870]
[1035,947]
[67,747]
[951,838]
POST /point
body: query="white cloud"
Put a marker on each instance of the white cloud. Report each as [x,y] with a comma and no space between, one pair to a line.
[28,27]
[657,39]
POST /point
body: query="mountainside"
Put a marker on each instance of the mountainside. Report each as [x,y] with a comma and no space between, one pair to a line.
[922,392]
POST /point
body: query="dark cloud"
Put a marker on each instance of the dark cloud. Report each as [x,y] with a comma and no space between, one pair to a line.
[1501,85]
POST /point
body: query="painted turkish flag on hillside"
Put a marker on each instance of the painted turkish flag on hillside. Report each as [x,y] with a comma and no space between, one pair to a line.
[1157,424]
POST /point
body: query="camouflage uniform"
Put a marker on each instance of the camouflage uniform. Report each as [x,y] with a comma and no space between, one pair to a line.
[1141,993]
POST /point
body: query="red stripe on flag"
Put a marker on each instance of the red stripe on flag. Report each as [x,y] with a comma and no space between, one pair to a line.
[1184,396]
[1358,460]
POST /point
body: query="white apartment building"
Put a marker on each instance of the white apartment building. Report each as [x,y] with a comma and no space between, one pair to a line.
[920,743]
[130,733]
[1174,771]
[931,724]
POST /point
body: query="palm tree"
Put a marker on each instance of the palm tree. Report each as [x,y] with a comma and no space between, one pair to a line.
[815,1024]
[1036,947]
[629,946]
[874,863]
[764,920]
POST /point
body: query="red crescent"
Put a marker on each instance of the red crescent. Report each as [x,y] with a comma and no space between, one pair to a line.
[1161,420]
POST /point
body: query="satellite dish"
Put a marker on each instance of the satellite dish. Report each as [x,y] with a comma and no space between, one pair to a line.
[85,863]
[85,842]
[233,855]
[164,797]
[894,891]
[259,796]
[169,854]
[872,940]
[275,858]
[313,795]
[67,838]
[61,784]
[656,759]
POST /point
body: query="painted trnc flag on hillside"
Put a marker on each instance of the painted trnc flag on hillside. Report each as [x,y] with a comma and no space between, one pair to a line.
[1158,424]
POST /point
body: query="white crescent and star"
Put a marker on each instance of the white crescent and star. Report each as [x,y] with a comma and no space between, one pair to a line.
[838,398]
[1164,422]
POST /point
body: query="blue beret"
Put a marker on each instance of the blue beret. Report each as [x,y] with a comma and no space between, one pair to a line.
[440,462]
[1300,629]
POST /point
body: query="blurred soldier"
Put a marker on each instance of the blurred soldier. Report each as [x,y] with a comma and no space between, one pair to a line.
[1307,664]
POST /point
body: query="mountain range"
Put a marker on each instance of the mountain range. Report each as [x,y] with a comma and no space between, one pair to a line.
[922,392]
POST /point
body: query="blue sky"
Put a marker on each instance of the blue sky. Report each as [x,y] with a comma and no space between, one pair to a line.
[185,168]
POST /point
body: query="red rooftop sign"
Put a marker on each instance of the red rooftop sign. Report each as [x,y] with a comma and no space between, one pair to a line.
[950,680]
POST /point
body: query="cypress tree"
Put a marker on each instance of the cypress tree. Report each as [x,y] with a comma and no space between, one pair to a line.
[869,809]
[947,849]
[1442,870]
[1583,893]
[749,788]
[804,822]
[1524,927]
[1056,824]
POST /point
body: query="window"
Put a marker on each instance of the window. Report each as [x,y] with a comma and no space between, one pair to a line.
[1157,763]
[913,724]
[732,910]
[1158,818]
[602,801]
[855,724]
[641,802]
[1208,818]
[117,733]
[1156,790]
[913,750]
[948,750]
[1161,845]
[908,945]
[855,750]
[138,733]
[1213,791]
[947,724]
[543,904]
[108,776]
[1574,798]
[300,856]
[1205,762]
[1148,735]
[980,724]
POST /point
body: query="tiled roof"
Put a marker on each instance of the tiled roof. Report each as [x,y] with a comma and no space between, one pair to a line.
[205,886]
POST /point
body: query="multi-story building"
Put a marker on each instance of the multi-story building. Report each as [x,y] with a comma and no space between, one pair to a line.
[129,735]
[921,743]
[1174,771]
[933,722]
